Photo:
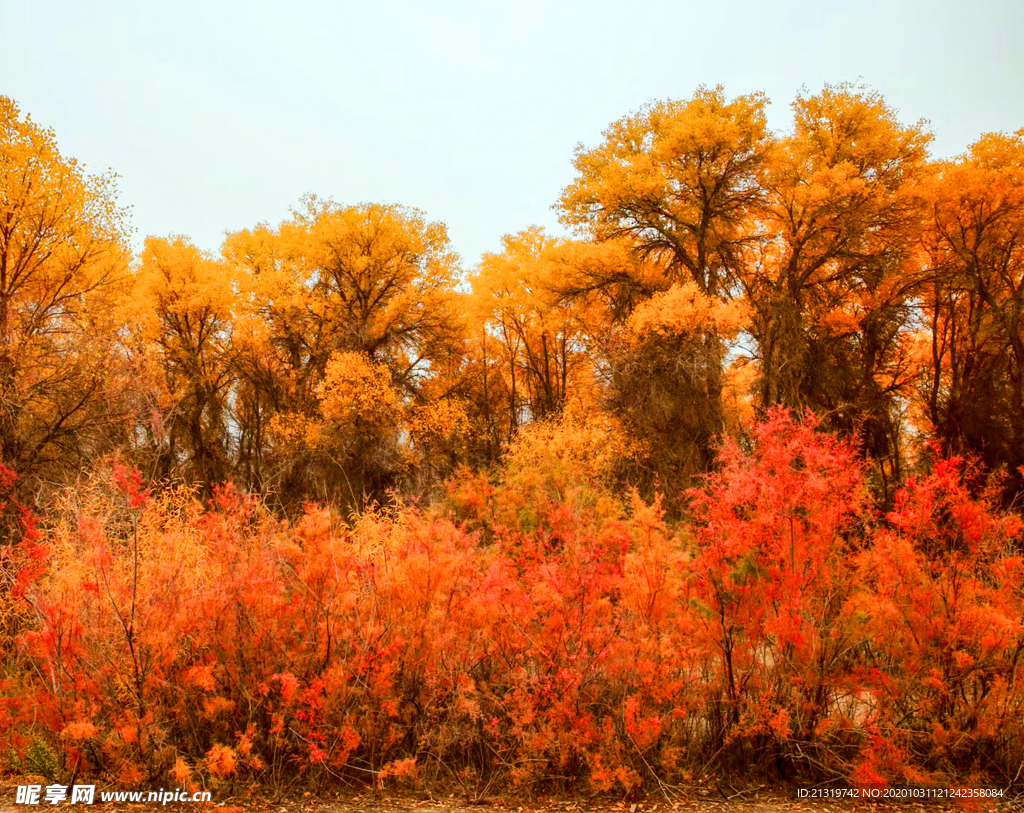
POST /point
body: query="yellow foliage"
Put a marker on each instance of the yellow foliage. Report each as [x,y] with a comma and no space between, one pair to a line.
[376,532]
[181,290]
[738,395]
[296,431]
[541,335]
[355,398]
[843,167]
[372,278]
[676,178]
[63,258]
[684,310]
[356,392]
[89,520]
[345,312]
[575,448]
[63,231]
[440,423]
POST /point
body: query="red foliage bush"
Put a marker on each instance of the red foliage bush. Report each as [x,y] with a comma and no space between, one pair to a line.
[535,635]
[777,531]
[23,559]
[942,617]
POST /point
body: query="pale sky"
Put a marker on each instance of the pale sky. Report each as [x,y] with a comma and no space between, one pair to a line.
[217,116]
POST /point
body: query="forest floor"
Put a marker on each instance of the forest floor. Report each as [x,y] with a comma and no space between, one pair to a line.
[723,800]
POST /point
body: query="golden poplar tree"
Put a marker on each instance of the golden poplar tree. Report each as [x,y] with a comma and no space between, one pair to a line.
[62,252]
[372,283]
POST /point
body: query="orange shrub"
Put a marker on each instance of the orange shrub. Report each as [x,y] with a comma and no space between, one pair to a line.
[546,633]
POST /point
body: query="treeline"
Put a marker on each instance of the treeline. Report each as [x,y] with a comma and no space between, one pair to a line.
[721,269]
[728,478]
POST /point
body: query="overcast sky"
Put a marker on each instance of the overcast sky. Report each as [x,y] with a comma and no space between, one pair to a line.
[217,115]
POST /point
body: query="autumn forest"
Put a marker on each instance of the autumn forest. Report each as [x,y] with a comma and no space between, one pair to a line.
[729,480]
